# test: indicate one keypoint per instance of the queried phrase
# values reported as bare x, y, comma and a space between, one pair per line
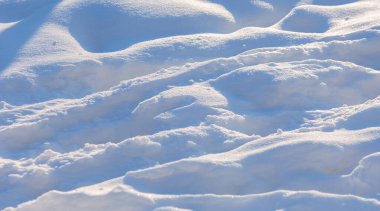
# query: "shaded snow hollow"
189, 105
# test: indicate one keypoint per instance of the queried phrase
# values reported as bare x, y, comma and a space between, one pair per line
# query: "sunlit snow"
189, 105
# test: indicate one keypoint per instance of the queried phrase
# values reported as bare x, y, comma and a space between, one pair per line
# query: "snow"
189, 105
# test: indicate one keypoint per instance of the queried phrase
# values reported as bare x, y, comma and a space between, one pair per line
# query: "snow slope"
189, 105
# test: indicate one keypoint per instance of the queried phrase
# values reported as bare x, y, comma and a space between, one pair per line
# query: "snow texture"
172, 105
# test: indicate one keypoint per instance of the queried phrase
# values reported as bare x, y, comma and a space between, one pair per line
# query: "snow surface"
189, 105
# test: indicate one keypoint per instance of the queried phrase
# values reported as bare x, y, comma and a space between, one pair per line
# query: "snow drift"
189, 105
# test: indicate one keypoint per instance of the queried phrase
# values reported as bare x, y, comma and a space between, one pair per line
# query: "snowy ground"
190, 105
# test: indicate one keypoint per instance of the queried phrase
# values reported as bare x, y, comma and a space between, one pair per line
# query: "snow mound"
327, 84
333, 19
364, 174
130, 22
304, 19
91, 162
306, 161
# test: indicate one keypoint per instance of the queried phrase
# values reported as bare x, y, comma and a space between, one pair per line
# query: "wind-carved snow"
189, 105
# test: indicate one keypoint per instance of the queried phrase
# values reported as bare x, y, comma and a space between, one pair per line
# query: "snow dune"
189, 105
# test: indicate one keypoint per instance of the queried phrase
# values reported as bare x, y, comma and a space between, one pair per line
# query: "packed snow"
172, 105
